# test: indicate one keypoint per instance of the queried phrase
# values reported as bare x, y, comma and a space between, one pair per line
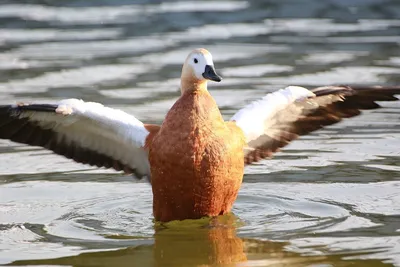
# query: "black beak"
210, 74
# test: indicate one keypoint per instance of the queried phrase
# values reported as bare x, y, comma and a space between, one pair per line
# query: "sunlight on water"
119, 14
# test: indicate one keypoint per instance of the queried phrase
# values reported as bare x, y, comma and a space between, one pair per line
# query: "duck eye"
195, 61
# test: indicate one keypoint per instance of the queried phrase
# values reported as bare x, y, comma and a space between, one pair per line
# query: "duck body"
196, 159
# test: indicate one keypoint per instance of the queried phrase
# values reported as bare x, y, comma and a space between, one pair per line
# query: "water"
329, 199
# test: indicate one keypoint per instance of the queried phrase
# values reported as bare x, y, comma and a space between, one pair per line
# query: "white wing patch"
93, 126
114, 119
255, 118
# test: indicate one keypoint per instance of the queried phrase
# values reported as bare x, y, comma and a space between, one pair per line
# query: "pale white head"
202, 64
198, 68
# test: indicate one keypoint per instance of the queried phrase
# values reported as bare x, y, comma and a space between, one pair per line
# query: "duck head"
197, 70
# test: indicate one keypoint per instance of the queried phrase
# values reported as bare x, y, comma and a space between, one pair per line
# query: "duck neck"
192, 85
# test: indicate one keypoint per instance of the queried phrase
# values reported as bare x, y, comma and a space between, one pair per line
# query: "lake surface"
329, 199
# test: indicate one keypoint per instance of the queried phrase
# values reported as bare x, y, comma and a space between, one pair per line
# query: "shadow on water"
206, 243
344, 172
70, 177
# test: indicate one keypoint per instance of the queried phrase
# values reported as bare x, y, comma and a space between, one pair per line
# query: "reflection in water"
206, 243
184, 245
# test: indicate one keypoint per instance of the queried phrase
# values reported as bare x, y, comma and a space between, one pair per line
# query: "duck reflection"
199, 242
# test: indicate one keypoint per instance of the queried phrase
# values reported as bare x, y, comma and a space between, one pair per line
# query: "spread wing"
86, 132
282, 116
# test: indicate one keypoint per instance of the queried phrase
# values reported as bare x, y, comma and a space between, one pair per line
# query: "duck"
195, 159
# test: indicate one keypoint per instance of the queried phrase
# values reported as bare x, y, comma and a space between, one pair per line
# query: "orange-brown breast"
196, 160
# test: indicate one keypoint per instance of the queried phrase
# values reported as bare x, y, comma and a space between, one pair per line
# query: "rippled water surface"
329, 199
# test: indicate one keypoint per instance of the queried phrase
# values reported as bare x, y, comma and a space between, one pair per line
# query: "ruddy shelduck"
195, 160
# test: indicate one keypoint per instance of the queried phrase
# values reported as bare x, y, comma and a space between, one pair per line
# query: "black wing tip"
351, 89
5, 108
37, 107
20, 107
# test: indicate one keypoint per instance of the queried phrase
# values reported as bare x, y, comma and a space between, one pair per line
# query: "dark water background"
329, 199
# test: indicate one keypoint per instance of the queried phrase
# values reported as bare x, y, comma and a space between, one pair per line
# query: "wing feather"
282, 116
86, 132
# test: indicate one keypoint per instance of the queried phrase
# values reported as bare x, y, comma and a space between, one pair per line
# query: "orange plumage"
196, 160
